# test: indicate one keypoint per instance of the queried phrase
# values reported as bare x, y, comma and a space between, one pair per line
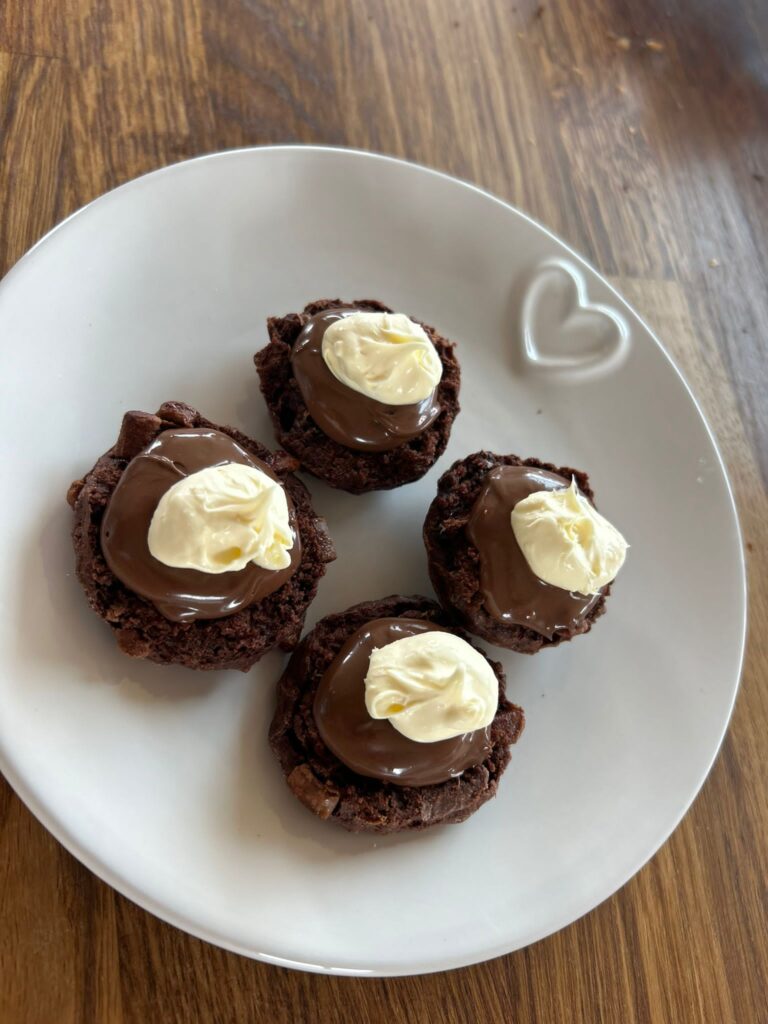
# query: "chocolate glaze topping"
512, 592
373, 747
181, 595
344, 414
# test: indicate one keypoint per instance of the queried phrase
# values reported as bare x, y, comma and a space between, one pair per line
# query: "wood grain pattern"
652, 160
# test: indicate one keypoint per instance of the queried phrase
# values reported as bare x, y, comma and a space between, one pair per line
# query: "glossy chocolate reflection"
372, 746
344, 414
181, 594
512, 592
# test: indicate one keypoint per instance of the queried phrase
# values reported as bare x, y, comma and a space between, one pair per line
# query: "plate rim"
51, 822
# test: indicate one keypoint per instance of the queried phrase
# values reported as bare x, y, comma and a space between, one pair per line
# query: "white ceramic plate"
160, 780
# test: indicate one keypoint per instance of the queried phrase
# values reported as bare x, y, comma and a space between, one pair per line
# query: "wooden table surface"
637, 132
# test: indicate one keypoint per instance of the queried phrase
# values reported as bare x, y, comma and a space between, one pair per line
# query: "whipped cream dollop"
385, 356
431, 686
566, 542
220, 519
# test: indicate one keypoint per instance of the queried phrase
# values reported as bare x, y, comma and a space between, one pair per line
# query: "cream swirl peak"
566, 542
431, 686
385, 356
221, 518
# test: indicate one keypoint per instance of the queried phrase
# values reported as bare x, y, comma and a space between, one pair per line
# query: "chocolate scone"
384, 445
371, 799
187, 617
477, 568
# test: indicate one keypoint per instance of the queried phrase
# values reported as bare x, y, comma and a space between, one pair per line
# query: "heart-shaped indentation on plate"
562, 331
